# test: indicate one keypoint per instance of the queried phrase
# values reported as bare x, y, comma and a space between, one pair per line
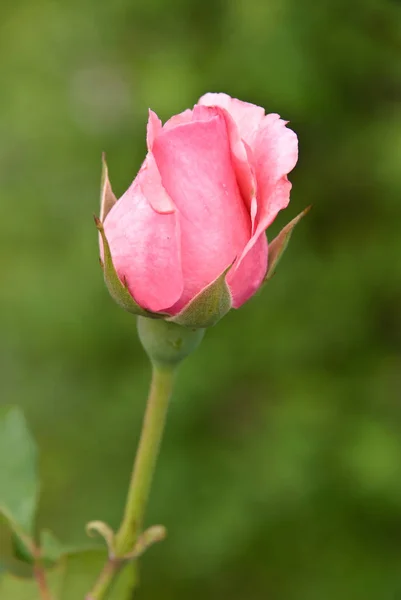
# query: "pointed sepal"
118, 291
107, 197
280, 243
207, 307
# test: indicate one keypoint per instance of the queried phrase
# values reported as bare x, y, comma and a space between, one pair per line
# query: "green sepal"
107, 197
207, 307
280, 243
118, 291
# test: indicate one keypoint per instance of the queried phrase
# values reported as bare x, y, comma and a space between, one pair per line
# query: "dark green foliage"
280, 474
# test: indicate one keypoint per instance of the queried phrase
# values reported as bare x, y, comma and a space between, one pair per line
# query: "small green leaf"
19, 486
117, 290
107, 197
208, 307
280, 243
52, 550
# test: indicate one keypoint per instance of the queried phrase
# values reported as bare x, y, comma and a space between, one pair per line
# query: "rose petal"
145, 247
184, 117
247, 116
242, 160
152, 187
194, 161
240, 151
154, 127
275, 154
246, 277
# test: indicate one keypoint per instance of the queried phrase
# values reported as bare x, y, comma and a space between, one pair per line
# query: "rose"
188, 236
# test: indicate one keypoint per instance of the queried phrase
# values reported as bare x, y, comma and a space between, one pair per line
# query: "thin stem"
40, 576
141, 478
105, 580
148, 450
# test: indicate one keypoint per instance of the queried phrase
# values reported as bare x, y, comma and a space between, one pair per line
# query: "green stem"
141, 478
148, 450
40, 576
105, 580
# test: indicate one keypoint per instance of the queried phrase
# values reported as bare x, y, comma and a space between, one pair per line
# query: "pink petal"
184, 117
242, 161
246, 277
152, 187
195, 164
205, 113
246, 178
153, 129
247, 116
145, 247
275, 154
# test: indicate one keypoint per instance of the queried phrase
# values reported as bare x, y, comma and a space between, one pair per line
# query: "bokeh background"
280, 475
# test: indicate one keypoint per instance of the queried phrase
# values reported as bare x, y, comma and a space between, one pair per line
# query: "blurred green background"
280, 475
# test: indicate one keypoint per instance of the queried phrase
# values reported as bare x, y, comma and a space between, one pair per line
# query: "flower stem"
148, 450
141, 478
40, 576
105, 580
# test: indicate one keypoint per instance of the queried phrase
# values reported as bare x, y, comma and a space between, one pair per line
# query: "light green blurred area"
280, 474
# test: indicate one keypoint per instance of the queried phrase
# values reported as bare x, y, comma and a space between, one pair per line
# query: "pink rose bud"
186, 242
